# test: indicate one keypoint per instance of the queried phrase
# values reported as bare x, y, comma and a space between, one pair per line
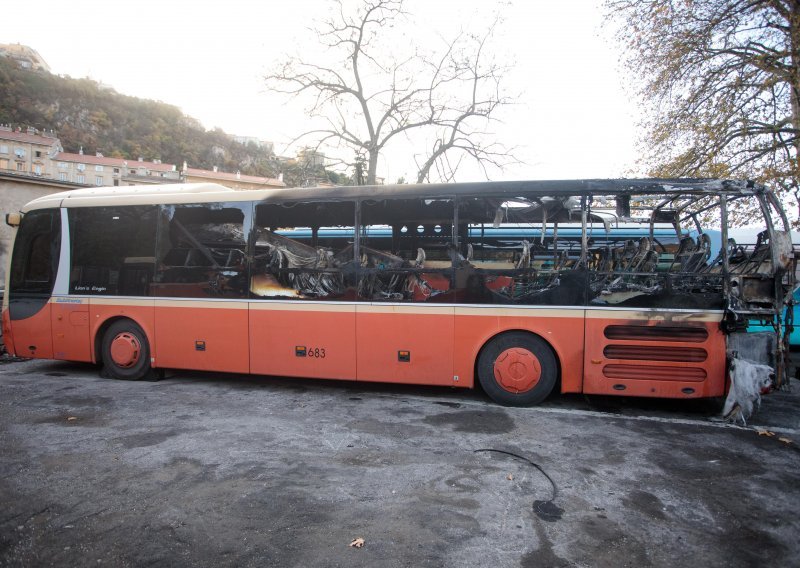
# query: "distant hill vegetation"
99, 119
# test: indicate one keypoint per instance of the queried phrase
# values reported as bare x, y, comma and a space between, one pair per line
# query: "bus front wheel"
517, 369
125, 351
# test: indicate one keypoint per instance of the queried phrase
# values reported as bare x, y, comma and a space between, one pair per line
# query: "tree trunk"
372, 167
794, 83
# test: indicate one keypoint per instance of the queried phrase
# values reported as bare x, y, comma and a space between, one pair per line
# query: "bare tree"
370, 94
721, 84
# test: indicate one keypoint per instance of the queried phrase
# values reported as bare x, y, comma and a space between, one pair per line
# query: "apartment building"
27, 152
99, 170
31, 153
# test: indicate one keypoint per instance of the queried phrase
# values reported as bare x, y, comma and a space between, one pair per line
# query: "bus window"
202, 251
113, 250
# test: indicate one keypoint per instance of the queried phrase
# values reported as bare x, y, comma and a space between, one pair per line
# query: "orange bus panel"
70, 320
299, 339
33, 336
655, 354
202, 335
405, 344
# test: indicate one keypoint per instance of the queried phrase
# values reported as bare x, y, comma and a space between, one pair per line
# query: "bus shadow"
695, 409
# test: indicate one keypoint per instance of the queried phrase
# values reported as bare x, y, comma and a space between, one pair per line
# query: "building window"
62, 165
3, 164
81, 167
98, 168
20, 167
62, 176
37, 169
38, 153
98, 180
116, 170
81, 178
3, 149
19, 152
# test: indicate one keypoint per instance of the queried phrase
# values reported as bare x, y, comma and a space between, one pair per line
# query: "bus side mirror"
13, 219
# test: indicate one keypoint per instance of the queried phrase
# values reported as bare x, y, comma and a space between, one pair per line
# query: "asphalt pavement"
204, 469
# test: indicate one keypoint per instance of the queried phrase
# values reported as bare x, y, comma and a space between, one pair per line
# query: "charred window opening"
622, 249
304, 251
408, 250
202, 251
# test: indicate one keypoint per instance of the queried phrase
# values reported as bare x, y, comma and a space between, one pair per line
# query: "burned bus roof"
529, 188
210, 192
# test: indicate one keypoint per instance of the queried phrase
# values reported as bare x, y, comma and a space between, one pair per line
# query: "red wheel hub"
125, 349
517, 370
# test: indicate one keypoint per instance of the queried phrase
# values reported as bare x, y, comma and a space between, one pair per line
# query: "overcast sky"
575, 118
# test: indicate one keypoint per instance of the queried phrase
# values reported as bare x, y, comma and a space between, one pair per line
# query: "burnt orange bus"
405, 284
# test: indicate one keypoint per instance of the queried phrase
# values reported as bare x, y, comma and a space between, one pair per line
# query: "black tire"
531, 354
126, 341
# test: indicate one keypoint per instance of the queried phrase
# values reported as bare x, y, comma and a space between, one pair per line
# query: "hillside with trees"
85, 114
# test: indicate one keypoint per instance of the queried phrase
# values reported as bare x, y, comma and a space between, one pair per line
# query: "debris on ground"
357, 542
748, 381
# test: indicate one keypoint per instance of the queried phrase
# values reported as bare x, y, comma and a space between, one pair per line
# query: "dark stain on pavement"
646, 503
146, 439
478, 421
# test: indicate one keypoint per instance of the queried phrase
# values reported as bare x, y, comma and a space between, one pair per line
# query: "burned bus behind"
594, 286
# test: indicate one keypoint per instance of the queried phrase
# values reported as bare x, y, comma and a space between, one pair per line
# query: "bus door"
654, 353
34, 265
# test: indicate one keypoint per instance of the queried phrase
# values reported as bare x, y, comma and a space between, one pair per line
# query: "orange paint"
408, 343
383, 331
33, 335
71, 340
694, 377
222, 332
278, 329
8, 337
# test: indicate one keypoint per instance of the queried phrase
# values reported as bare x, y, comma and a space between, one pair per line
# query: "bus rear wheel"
125, 351
517, 369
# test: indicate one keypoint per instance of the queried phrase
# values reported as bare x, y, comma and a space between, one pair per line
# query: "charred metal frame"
542, 268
